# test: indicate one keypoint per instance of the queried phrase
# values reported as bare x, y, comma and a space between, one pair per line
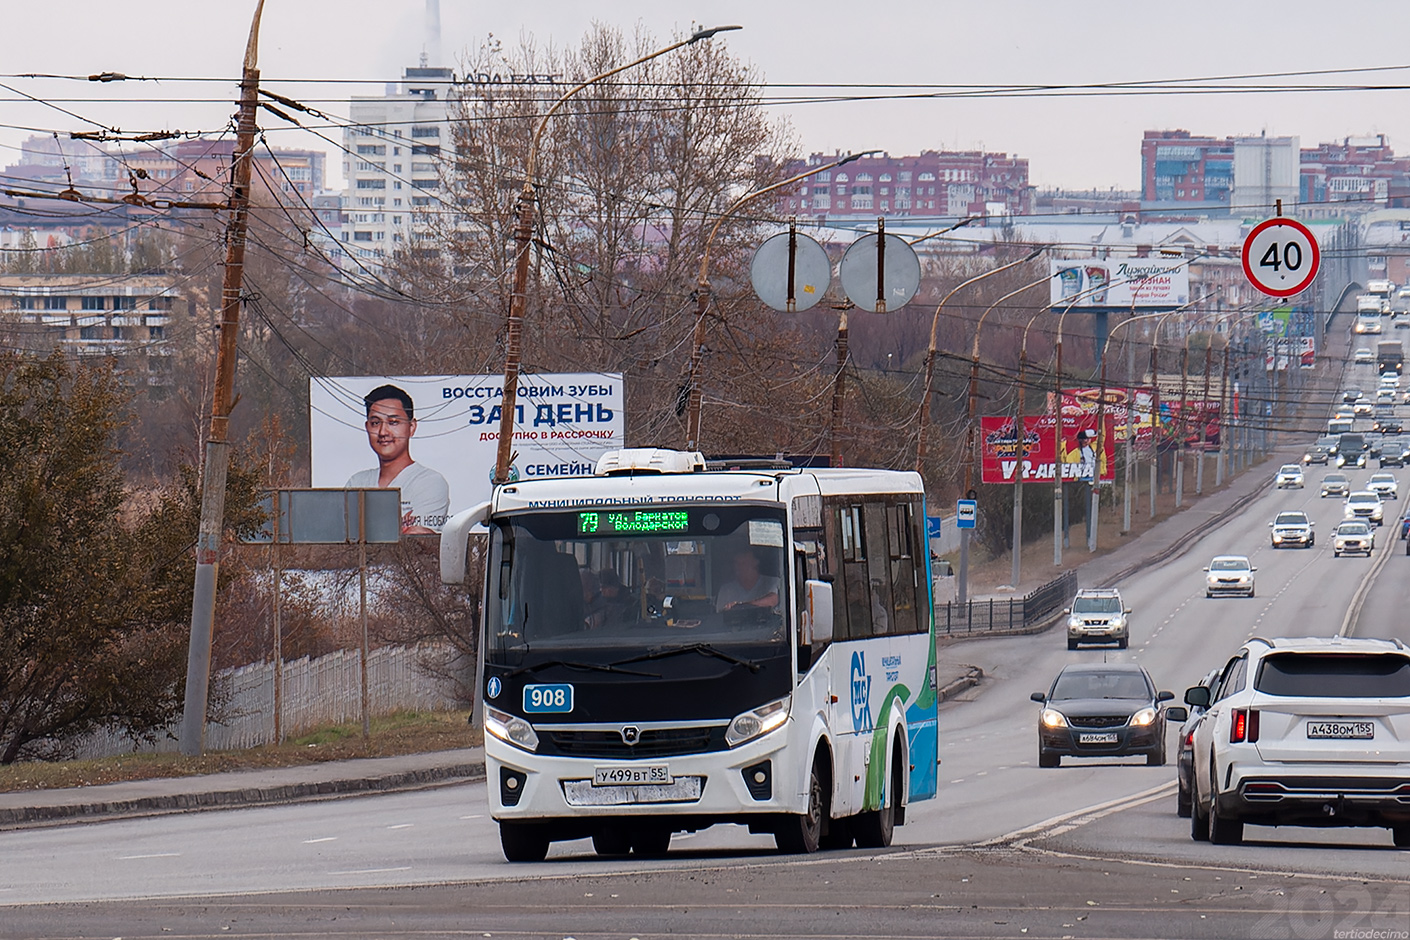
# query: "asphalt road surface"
1092, 848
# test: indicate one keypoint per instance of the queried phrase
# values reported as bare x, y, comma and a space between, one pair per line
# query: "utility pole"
217, 457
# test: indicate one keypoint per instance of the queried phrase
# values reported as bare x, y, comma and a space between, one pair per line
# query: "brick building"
935, 184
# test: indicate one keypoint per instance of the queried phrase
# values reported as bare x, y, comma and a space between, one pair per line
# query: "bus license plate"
1354, 730
631, 776
1107, 737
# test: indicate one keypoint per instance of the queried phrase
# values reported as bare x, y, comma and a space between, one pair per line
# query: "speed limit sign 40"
1281, 257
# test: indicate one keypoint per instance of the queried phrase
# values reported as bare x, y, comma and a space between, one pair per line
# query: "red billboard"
1198, 413
1002, 454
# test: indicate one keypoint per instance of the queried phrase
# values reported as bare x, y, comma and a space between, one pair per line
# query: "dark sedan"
1103, 710
1185, 750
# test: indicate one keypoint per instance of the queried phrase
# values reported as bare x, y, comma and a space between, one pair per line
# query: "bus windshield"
627, 578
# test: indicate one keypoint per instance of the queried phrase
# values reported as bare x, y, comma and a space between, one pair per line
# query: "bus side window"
900, 535
878, 571
854, 572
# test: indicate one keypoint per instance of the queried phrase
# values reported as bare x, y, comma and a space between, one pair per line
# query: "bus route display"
631, 522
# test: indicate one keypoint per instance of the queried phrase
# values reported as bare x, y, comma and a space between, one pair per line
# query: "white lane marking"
1094, 811
476, 816
370, 871
324, 839
125, 858
402, 826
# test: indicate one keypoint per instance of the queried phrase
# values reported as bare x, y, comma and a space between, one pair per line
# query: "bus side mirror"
455, 542
817, 624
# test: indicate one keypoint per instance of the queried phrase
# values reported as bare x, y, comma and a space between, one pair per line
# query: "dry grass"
392, 735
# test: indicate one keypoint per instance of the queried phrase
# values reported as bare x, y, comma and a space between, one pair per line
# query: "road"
1091, 848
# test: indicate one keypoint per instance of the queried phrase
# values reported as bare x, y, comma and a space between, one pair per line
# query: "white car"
1384, 485
1292, 528
1363, 409
1229, 574
1289, 476
1363, 356
1364, 505
1304, 732
1353, 537
1384, 396
1390, 380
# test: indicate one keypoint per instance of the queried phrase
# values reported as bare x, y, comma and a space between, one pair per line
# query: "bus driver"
749, 588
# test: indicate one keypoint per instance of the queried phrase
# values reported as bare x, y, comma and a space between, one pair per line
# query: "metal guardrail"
995, 615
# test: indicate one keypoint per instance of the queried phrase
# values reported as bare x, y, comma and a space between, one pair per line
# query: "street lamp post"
523, 235
933, 349
702, 291
963, 587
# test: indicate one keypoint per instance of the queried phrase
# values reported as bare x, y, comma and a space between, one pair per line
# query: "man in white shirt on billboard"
425, 495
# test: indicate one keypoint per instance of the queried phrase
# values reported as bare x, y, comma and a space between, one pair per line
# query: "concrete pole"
217, 457
1016, 565
1204, 418
1180, 440
1057, 454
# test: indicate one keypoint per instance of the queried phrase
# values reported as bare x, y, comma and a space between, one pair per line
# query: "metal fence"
1005, 615
322, 691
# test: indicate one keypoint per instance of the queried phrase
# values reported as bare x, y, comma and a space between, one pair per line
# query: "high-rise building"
1265, 173
392, 162
1180, 170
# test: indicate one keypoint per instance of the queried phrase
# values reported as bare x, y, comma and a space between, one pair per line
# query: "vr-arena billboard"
1003, 456
435, 437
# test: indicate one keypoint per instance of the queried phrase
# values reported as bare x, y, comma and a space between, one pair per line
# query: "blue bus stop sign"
966, 513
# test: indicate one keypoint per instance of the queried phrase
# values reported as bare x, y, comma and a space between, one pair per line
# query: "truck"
1381, 288
1390, 357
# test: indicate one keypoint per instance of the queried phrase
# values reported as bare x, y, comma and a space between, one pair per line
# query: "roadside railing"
1005, 615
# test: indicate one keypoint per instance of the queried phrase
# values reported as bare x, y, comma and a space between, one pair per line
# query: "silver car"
1229, 574
1336, 484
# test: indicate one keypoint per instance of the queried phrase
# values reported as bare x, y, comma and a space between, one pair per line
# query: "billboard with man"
434, 437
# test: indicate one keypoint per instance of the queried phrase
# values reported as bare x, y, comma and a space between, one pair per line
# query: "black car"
1388, 426
1103, 710
1317, 453
1185, 750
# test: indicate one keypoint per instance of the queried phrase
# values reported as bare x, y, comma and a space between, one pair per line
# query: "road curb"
22, 816
971, 678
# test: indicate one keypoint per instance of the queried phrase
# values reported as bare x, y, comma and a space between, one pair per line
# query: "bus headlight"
511, 728
760, 721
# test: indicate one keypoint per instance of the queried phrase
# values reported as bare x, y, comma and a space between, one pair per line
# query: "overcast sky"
1070, 142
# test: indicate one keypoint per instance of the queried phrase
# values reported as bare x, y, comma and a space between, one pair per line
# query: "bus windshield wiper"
567, 664
704, 649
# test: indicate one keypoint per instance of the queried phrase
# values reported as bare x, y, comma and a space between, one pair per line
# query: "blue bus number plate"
548, 698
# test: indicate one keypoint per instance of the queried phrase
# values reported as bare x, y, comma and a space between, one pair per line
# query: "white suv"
1364, 504
1384, 485
1289, 476
1304, 732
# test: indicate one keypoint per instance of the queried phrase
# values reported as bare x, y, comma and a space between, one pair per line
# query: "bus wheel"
874, 829
651, 841
523, 842
613, 840
800, 835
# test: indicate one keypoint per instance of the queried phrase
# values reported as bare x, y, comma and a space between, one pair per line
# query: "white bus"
667, 645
